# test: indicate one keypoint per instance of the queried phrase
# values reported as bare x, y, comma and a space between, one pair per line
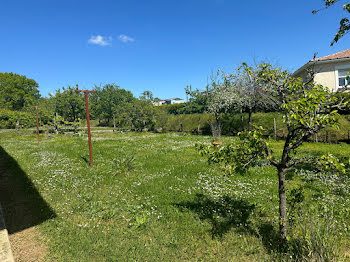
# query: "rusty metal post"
37, 123
88, 120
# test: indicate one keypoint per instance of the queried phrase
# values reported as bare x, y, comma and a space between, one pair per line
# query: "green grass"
151, 197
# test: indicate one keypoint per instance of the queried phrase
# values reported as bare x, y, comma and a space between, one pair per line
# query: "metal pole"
88, 120
88, 126
37, 123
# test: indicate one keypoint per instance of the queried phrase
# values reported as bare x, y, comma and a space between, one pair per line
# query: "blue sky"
157, 45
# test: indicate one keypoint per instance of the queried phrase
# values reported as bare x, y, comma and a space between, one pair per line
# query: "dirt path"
26, 246
23, 209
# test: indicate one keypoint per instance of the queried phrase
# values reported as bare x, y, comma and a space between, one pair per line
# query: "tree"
307, 108
240, 91
253, 94
147, 95
142, 115
46, 110
344, 24
197, 101
106, 100
69, 104
17, 91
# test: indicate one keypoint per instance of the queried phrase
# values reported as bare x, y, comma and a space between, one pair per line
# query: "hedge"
9, 118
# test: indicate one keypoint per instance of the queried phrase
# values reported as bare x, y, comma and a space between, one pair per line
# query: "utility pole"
87, 119
37, 123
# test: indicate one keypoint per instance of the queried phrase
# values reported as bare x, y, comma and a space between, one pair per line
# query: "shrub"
9, 118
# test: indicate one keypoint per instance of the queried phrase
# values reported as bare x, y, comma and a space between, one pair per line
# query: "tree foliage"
147, 96
69, 104
46, 110
10, 119
137, 115
108, 99
344, 24
241, 91
17, 91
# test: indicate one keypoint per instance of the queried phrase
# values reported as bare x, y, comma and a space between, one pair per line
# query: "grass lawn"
151, 197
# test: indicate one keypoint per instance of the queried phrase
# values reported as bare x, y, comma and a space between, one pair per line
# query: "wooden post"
274, 127
88, 120
37, 123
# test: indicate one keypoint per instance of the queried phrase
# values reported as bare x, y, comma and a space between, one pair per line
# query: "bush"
9, 118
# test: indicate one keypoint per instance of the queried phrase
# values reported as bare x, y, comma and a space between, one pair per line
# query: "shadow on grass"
22, 205
222, 214
226, 213
86, 160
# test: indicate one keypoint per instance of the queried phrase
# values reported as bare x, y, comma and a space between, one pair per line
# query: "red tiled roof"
339, 55
329, 58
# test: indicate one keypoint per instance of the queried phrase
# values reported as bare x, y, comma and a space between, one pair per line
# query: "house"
330, 71
170, 101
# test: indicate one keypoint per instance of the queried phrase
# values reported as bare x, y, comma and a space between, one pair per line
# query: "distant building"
170, 101
331, 71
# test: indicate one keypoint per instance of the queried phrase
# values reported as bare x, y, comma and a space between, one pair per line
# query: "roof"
172, 99
339, 55
342, 55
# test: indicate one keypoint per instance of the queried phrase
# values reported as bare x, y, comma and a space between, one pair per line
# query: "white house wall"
327, 74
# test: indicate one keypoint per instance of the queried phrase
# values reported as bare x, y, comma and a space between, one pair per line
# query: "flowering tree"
241, 91
306, 107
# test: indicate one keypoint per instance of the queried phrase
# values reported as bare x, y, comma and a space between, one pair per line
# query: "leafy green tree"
307, 108
197, 101
142, 115
17, 91
344, 26
137, 115
69, 104
107, 99
46, 110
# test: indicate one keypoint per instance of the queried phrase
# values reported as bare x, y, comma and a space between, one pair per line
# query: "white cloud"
100, 40
126, 39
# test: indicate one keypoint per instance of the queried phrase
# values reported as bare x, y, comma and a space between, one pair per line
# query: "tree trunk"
250, 121
113, 123
217, 127
282, 204
73, 110
199, 125
56, 123
17, 126
178, 119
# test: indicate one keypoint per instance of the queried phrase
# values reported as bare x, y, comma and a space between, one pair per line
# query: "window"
343, 77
